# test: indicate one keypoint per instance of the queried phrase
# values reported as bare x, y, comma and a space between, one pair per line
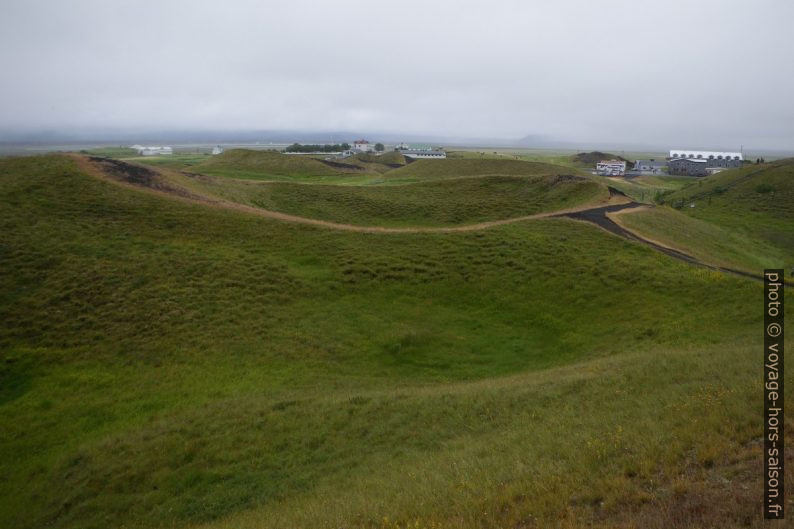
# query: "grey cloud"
707, 73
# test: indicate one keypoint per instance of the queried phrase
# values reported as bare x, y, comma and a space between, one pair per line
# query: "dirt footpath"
139, 176
142, 177
601, 217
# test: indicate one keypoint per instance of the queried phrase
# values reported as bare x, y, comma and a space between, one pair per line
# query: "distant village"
679, 162
345, 150
407, 150
338, 151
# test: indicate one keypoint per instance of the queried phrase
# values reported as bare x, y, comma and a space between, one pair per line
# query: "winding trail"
146, 179
600, 216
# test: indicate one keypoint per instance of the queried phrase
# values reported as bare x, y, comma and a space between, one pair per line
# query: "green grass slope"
753, 197
709, 242
271, 165
378, 163
178, 161
648, 189
433, 203
423, 170
742, 218
166, 364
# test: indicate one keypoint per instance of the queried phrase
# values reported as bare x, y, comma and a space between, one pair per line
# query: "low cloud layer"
707, 73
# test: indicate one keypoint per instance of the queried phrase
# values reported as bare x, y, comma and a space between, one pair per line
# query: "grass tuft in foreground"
167, 364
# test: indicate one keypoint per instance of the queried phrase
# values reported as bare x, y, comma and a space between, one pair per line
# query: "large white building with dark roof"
701, 163
706, 155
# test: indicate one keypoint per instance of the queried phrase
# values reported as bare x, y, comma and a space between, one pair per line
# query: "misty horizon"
185, 138
646, 74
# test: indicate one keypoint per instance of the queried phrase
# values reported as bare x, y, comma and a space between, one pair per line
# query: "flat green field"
169, 364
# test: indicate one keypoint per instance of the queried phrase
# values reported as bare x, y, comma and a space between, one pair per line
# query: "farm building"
430, 153
362, 146
154, 151
650, 166
611, 167
688, 166
217, 150
701, 163
714, 158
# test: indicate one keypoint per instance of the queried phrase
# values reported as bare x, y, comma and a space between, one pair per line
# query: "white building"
650, 166
705, 155
154, 150
362, 146
217, 150
611, 167
415, 154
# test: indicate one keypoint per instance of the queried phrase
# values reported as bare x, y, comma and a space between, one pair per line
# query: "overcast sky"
712, 74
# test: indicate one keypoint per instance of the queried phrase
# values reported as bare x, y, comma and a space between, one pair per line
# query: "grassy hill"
178, 161
388, 168
272, 165
390, 160
649, 189
433, 203
751, 196
592, 158
169, 364
423, 170
742, 217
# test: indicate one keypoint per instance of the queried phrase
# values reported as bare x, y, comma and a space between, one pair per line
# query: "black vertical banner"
774, 457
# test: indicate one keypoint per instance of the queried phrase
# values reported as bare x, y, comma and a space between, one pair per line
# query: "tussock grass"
649, 189
271, 165
167, 364
434, 203
708, 242
750, 198
741, 217
423, 170
179, 161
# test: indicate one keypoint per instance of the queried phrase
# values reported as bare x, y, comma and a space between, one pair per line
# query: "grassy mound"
423, 170
391, 158
271, 165
434, 203
738, 196
376, 164
708, 242
649, 189
167, 364
741, 217
592, 158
